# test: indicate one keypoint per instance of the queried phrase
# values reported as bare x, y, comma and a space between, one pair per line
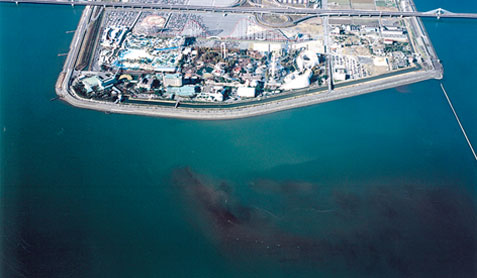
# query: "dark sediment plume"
238, 228
284, 187
291, 194
347, 202
408, 230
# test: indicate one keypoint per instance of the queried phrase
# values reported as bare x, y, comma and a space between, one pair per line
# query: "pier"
437, 13
458, 121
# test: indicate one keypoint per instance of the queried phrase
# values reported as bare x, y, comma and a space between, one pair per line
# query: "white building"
217, 96
380, 61
297, 81
293, 1
91, 82
307, 60
98, 81
340, 74
393, 34
246, 92
266, 47
172, 80
113, 36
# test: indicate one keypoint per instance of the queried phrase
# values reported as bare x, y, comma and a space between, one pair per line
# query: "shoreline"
243, 110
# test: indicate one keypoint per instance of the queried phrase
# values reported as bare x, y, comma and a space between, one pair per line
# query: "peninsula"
210, 64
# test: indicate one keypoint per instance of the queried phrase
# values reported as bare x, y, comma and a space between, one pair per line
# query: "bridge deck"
440, 13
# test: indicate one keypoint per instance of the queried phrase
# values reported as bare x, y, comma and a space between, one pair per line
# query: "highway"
438, 13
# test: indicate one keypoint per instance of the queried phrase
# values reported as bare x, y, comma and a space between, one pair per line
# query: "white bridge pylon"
438, 12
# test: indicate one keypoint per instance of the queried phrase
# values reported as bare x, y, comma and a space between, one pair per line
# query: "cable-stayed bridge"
437, 13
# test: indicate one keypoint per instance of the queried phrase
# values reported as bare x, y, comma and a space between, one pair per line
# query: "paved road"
246, 110
248, 10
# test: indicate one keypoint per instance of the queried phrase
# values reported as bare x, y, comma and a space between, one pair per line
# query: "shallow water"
380, 184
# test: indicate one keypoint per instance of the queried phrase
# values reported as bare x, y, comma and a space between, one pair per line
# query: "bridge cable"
458, 121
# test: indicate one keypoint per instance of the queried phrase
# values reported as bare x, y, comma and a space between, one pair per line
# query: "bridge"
437, 13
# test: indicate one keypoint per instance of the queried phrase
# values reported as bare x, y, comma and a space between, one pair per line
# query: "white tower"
223, 48
274, 63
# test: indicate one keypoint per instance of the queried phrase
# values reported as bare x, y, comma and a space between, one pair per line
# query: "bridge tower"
438, 13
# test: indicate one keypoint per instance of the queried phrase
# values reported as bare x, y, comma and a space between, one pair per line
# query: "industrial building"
172, 80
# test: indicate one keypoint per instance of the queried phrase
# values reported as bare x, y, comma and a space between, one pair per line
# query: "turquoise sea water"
376, 185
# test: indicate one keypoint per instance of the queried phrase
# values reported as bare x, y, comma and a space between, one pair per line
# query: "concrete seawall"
245, 111
240, 111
